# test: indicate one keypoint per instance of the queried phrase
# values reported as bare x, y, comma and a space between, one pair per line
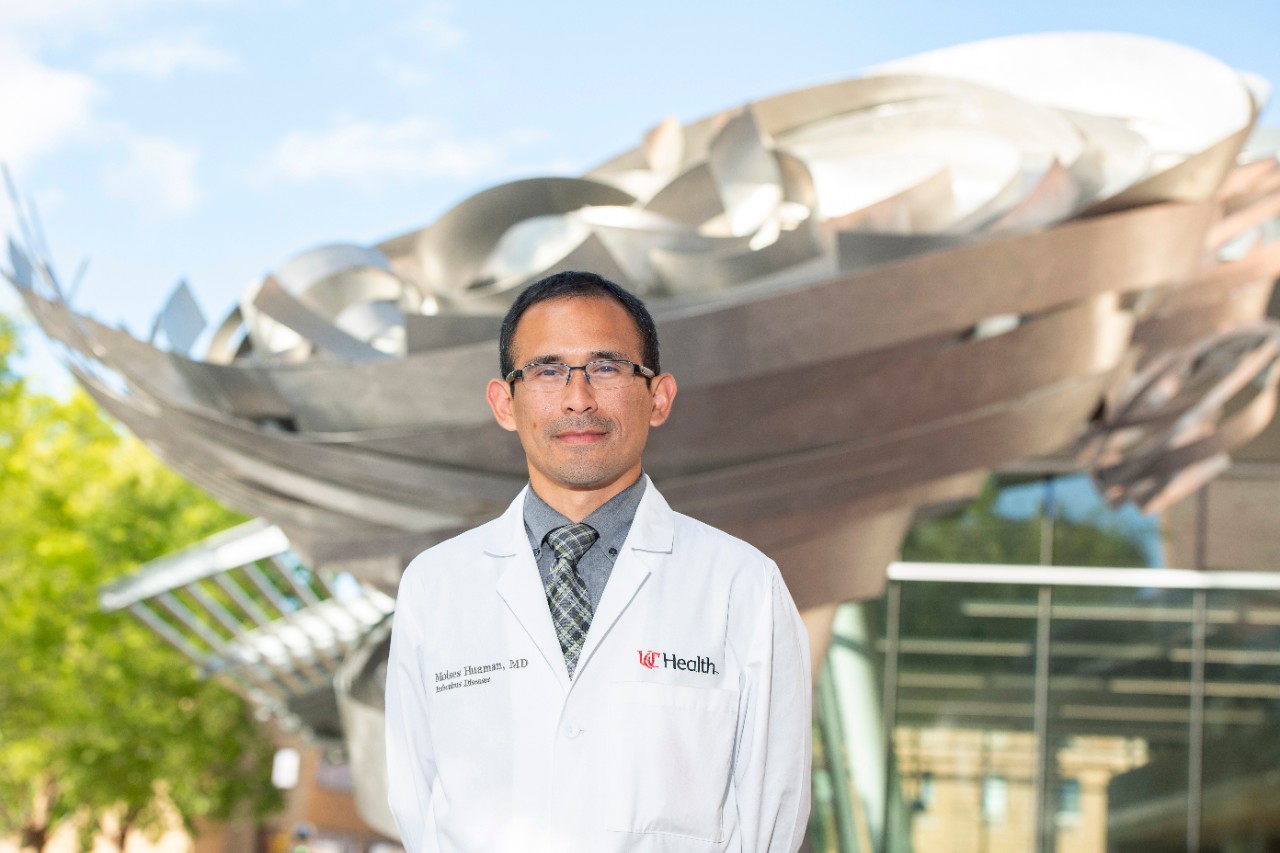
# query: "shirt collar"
611, 521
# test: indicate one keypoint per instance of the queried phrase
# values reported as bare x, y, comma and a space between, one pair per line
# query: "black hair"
577, 285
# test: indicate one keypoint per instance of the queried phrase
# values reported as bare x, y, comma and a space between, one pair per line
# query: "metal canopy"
242, 607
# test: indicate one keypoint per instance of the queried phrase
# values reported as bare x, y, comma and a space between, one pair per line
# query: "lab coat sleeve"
411, 767
772, 767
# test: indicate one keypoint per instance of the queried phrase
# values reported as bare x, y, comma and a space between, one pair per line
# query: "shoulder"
719, 550
472, 540
707, 536
689, 535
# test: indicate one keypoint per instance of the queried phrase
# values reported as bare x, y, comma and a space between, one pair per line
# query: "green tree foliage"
977, 534
97, 715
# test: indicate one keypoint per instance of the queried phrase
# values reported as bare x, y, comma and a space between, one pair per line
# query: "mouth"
579, 431
580, 436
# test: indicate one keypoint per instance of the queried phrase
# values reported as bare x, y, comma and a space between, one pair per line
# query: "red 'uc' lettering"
648, 660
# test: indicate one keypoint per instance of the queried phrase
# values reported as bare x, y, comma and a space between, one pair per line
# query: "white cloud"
62, 22
41, 107
371, 154
44, 108
156, 173
159, 57
59, 14
431, 24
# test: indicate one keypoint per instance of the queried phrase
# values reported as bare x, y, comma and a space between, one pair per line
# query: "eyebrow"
557, 358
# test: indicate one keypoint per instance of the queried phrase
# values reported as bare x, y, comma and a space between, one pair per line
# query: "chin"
582, 477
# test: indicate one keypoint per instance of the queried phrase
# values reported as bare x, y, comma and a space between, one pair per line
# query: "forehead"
577, 326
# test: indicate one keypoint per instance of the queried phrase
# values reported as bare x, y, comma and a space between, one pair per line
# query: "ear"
498, 393
663, 390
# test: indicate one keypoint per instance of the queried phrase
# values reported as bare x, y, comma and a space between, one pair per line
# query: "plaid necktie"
566, 593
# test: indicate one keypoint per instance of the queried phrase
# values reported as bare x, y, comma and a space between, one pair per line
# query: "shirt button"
570, 730
613, 552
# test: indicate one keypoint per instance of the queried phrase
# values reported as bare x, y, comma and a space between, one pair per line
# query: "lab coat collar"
521, 587
645, 550
652, 530
651, 537
506, 537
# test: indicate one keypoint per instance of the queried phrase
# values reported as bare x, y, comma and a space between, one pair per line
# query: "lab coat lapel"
520, 586
648, 544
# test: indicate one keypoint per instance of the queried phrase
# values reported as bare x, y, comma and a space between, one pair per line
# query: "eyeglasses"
603, 374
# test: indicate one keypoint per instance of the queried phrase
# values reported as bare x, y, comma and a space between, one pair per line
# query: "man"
592, 671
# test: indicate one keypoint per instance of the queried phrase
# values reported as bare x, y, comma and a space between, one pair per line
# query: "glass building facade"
1037, 708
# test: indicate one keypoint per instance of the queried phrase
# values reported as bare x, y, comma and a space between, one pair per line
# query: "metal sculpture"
874, 292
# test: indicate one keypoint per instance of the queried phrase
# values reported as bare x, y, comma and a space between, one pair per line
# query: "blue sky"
213, 139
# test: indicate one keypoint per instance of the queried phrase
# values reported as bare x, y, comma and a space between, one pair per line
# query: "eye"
543, 371
607, 368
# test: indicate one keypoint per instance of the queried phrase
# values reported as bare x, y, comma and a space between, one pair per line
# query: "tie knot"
572, 541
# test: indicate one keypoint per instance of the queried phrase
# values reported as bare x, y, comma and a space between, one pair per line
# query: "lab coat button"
570, 730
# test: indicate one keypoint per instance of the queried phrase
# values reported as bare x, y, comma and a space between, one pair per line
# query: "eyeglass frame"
636, 370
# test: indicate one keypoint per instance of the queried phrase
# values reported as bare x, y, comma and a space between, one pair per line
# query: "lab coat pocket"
669, 754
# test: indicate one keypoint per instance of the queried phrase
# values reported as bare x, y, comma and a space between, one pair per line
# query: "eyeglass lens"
605, 373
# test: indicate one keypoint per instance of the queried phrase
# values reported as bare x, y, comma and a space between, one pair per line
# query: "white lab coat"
685, 728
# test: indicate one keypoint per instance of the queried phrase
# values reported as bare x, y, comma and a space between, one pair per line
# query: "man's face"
578, 438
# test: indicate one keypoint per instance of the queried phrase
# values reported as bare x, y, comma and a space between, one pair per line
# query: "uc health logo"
650, 659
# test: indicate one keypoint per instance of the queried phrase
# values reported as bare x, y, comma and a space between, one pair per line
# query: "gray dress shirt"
612, 521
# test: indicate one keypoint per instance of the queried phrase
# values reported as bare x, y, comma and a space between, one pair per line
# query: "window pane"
1118, 720
964, 743
1068, 801
1241, 786
995, 799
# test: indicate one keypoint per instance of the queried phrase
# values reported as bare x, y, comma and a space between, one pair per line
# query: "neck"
577, 504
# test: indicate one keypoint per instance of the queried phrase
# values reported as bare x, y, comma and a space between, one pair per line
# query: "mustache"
580, 423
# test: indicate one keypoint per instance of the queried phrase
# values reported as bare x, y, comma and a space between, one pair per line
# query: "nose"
578, 395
